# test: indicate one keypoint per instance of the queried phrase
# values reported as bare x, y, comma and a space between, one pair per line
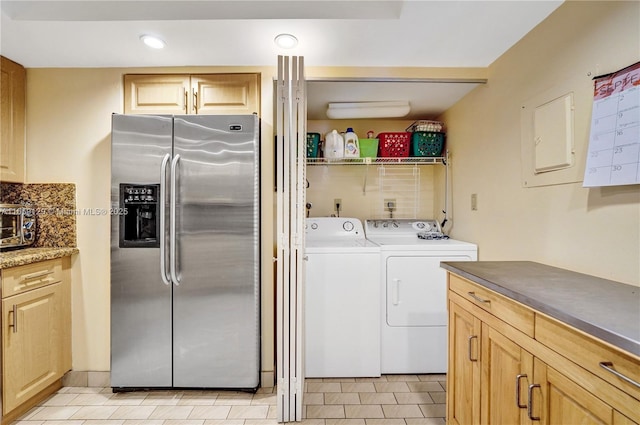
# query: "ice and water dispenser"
140, 222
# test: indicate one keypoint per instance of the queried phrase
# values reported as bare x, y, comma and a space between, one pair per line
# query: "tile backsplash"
55, 207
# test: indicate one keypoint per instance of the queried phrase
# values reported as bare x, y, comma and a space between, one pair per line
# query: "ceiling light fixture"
346, 110
286, 41
153, 41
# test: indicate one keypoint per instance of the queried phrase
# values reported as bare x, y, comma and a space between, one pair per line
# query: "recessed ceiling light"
152, 41
286, 41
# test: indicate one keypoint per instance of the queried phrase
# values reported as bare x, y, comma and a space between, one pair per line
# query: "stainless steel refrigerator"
185, 243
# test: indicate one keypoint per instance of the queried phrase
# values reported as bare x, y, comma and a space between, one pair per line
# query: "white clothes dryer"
414, 292
342, 300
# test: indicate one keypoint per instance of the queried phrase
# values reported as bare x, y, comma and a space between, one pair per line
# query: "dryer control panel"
401, 227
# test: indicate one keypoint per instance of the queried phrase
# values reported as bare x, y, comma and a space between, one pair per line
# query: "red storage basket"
394, 145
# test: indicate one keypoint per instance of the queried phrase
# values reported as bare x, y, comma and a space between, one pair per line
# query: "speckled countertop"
603, 308
20, 257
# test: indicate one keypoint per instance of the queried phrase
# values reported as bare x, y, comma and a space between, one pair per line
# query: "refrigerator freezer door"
216, 298
140, 301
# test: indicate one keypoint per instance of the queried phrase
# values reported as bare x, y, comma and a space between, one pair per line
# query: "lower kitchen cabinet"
500, 374
463, 378
556, 399
36, 332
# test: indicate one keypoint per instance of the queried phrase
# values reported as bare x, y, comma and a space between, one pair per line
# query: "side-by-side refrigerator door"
141, 353
216, 298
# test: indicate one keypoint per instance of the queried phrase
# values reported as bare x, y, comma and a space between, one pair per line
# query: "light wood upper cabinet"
156, 94
12, 121
36, 332
211, 94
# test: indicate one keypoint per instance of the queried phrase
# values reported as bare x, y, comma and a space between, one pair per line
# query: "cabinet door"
558, 400
156, 94
506, 371
463, 376
31, 342
225, 94
12, 121
620, 419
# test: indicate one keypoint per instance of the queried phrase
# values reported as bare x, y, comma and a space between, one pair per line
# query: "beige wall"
68, 140
593, 231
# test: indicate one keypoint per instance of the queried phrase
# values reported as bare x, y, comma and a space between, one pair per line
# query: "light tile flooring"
388, 400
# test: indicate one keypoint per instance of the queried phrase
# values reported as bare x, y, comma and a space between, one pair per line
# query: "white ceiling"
407, 33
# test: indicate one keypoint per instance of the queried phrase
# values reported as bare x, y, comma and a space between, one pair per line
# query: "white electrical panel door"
553, 134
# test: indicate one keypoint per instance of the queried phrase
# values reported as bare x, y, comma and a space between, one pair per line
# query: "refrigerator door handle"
172, 222
163, 214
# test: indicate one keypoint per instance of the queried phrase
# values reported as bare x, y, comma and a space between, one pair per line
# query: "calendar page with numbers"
613, 157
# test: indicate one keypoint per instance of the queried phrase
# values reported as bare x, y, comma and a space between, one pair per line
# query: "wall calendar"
613, 157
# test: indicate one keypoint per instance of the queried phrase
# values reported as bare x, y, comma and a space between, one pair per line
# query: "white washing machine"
342, 300
414, 292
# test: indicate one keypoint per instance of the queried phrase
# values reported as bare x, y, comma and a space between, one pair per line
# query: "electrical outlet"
337, 204
474, 202
390, 204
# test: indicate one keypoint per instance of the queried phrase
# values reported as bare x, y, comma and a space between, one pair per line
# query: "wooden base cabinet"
506, 368
463, 378
36, 331
500, 374
555, 399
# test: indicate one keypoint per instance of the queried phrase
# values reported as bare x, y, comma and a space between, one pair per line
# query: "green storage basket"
427, 143
368, 148
313, 140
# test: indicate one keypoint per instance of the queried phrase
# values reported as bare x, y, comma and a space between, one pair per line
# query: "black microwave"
18, 226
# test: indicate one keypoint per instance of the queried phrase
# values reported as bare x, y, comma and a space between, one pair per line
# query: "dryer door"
416, 290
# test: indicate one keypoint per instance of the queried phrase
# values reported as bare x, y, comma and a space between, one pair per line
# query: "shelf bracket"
367, 162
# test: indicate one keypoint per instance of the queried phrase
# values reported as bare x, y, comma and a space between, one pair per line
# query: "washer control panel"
333, 227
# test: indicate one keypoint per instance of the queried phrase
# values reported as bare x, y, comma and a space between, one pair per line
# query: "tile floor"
388, 400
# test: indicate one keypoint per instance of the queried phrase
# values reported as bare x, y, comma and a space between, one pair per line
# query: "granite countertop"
603, 308
24, 256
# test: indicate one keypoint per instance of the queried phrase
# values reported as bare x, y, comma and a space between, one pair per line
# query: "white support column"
290, 180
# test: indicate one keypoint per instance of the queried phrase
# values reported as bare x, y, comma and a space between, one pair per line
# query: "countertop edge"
33, 255
603, 334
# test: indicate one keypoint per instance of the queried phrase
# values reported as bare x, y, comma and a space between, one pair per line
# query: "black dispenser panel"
140, 225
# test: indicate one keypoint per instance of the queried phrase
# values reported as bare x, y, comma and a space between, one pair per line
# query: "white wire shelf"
366, 161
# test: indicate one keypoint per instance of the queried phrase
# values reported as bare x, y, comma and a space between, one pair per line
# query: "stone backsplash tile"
55, 207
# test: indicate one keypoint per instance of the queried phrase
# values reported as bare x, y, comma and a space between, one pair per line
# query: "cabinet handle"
15, 318
608, 366
518, 377
186, 101
472, 337
36, 274
477, 298
195, 101
530, 402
